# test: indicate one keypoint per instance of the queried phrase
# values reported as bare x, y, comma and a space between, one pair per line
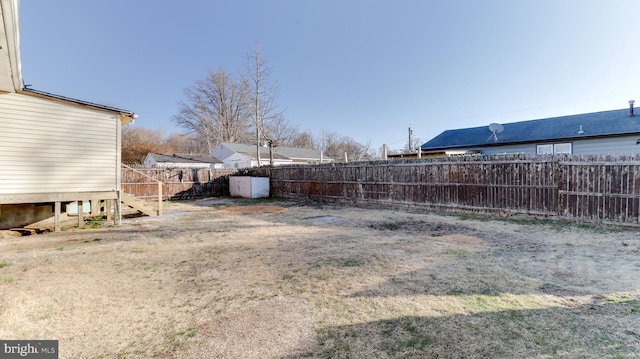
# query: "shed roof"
597, 124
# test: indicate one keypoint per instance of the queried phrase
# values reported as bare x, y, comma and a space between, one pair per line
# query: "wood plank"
80, 215
57, 209
55, 197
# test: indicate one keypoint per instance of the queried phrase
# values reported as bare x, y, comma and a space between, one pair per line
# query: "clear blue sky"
365, 69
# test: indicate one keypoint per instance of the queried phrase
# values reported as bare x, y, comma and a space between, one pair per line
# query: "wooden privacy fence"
177, 183
602, 189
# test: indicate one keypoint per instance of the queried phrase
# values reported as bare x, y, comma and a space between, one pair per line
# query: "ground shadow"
577, 332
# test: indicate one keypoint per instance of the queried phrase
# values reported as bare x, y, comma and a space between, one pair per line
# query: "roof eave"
10, 49
126, 116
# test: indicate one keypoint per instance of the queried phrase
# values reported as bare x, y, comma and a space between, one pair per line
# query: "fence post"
557, 178
159, 198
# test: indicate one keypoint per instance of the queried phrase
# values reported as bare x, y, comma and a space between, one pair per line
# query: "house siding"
609, 145
605, 145
238, 160
529, 149
52, 147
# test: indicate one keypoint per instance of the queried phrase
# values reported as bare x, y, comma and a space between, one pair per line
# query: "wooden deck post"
56, 217
80, 215
118, 210
108, 208
95, 207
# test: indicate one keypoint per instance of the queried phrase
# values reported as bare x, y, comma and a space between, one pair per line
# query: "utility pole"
410, 147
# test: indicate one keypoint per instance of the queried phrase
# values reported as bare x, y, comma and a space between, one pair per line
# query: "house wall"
149, 161
305, 161
278, 162
53, 147
608, 145
182, 165
529, 149
237, 160
605, 145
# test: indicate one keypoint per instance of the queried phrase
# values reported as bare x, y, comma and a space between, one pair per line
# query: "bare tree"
280, 130
186, 144
343, 148
216, 109
302, 140
327, 143
263, 91
137, 142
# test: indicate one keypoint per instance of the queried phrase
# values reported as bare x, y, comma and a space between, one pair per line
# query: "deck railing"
159, 183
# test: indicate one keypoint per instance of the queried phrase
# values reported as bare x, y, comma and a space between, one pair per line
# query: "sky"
367, 69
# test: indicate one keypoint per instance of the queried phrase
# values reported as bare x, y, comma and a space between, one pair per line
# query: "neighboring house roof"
589, 125
182, 158
299, 153
279, 152
10, 65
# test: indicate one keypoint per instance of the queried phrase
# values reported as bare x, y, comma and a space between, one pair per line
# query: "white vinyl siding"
238, 160
48, 146
619, 145
608, 145
528, 149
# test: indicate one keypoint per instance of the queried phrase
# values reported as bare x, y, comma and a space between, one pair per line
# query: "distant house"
607, 132
237, 155
182, 161
55, 150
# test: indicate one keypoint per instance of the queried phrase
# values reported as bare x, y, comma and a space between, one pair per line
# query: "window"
562, 148
545, 149
558, 149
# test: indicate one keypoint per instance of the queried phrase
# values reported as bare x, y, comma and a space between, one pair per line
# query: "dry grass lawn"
279, 279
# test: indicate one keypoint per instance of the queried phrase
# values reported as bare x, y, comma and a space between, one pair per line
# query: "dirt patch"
10, 234
252, 209
264, 329
295, 280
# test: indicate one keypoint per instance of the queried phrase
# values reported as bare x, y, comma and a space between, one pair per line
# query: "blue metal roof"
597, 124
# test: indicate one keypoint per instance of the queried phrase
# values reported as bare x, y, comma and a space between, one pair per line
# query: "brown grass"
287, 280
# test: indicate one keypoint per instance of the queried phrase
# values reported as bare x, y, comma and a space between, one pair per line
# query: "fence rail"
601, 189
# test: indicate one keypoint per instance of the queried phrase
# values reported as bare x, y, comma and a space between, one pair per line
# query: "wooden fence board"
586, 188
177, 183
